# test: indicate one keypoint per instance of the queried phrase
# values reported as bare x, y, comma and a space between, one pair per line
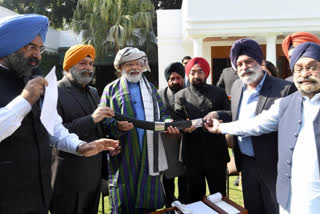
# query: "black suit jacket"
76, 173
265, 146
202, 148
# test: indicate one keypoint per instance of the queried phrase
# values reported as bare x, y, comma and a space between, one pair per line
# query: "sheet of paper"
227, 207
200, 207
49, 105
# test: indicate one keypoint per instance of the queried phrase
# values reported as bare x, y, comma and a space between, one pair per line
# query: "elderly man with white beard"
134, 178
256, 157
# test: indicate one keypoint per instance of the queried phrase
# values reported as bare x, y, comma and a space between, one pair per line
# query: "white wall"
170, 41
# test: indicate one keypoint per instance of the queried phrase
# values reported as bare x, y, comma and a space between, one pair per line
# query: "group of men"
142, 163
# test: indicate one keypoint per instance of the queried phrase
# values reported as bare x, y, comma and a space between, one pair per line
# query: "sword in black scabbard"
157, 125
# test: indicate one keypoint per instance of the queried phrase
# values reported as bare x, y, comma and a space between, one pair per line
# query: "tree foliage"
109, 25
59, 12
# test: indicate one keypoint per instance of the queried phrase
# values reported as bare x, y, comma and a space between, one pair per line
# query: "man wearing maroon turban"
205, 155
255, 157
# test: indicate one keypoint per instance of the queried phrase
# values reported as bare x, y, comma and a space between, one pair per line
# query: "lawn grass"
235, 194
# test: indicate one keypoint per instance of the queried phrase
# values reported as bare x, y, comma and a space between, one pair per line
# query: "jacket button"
289, 162
288, 176
296, 134
299, 121
291, 148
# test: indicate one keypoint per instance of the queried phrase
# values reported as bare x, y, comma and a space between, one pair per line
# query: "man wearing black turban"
297, 120
174, 74
255, 157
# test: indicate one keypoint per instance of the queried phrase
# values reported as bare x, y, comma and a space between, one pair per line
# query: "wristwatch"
77, 149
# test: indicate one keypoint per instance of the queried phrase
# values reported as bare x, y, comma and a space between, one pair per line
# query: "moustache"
309, 78
33, 60
134, 71
247, 71
86, 71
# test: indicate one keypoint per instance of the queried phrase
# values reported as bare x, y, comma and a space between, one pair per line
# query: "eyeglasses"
34, 47
314, 68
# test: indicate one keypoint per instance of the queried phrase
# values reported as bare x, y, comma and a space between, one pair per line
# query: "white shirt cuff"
20, 106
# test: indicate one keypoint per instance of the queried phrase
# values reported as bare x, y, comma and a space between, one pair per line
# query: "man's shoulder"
162, 91
113, 85
93, 90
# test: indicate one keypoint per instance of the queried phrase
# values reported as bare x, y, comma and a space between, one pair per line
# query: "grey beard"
77, 76
18, 63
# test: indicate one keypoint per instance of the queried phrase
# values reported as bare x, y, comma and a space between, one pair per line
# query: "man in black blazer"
205, 155
254, 92
77, 184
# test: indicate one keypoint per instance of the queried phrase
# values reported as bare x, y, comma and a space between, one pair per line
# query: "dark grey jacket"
265, 146
171, 142
289, 127
227, 78
76, 173
201, 148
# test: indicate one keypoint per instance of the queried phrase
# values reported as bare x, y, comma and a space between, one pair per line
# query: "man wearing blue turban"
255, 157
25, 151
297, 120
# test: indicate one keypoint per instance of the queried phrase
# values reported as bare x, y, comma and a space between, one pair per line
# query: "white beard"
132, 78
255, 74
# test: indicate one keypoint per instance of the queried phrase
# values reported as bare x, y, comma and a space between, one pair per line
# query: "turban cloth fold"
18, 31
174, 67
129, 54
247, 47
306, 49
295, 39
201, 62
76, 53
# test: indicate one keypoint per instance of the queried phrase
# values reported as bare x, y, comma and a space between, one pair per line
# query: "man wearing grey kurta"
174, 74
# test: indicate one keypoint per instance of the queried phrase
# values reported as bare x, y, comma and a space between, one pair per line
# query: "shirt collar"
315, 99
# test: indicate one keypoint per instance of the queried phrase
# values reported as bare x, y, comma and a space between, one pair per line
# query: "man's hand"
97, 146
190, 129
34, 89
116, 151
125, 126
215, 126
102, 112
172, 130
209, 117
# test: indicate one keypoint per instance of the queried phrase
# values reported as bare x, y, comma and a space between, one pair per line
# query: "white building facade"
208, 28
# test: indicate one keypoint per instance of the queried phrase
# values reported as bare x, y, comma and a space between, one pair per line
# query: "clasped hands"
212, 123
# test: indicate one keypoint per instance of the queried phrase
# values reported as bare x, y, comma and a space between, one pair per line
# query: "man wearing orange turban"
205, 155
78, 178
294, 39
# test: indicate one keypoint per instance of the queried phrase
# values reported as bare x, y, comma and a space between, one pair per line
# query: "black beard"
198, 85
175, 87
20, 64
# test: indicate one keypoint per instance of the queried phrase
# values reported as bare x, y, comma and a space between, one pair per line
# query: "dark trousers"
169, 190
76, 202
258, 196
196, 181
